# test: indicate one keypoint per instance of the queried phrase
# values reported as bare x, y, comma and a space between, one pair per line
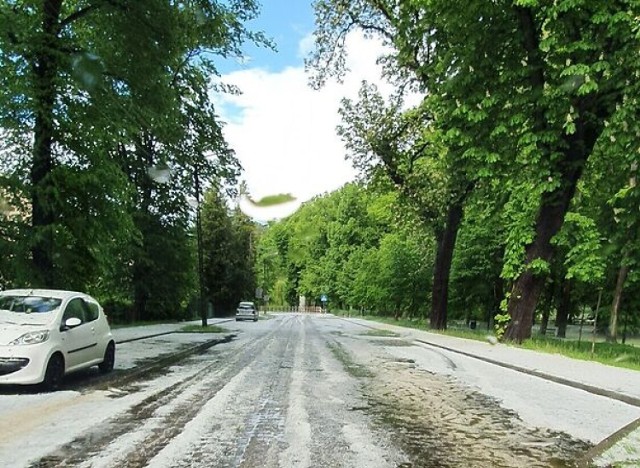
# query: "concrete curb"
604, 445
630, 400
129, 340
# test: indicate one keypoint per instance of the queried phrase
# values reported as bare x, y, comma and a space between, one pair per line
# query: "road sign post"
324, 299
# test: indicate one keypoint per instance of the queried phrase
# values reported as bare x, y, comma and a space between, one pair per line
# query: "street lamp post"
161, 174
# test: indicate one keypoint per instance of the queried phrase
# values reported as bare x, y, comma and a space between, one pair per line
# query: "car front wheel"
109, 359
54, 374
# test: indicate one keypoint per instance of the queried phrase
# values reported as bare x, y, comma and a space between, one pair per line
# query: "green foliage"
164, 269
201, 329
584, 259
525, 118
475, 284
350, 245
228, 254
501, 324
92, 99
519, 216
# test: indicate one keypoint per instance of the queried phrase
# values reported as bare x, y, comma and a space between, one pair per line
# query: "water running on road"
312, 391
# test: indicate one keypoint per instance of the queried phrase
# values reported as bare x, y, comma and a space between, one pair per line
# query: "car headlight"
31, 338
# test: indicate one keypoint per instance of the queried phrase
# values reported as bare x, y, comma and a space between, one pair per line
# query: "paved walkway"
122, 335
615, 382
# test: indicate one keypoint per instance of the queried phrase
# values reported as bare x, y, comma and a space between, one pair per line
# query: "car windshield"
29, 304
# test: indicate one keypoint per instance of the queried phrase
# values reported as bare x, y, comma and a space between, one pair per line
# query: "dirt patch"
396, 342
356, 370
440, 423
380, 332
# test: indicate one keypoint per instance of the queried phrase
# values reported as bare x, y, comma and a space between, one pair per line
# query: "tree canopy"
525, 95
98, 98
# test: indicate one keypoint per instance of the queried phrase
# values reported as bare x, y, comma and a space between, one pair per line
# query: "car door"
98, 329
79, 343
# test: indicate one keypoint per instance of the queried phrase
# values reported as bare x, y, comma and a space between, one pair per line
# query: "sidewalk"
125, 334
620, 449
149, 343
613, 382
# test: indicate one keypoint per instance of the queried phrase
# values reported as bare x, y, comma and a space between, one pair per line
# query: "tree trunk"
202, 306
576, 148
498, 295
612, 335
45, 70
527, 287
544, 322
564, 308
446, 243
554, 205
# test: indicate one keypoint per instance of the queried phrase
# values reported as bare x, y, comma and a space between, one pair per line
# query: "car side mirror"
71, 322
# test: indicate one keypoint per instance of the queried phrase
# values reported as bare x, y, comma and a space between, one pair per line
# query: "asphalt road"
306, 391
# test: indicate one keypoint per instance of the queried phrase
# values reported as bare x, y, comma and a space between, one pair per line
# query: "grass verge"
117, 325
201, 329
611, 354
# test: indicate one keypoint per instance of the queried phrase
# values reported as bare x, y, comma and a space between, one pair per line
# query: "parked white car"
45, 334
246, 311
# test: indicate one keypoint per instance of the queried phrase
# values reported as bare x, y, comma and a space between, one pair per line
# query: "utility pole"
202, 308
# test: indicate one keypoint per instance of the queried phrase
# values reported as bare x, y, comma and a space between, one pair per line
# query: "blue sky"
286, 22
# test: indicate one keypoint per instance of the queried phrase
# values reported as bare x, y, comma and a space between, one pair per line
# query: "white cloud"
284, 132
306, 45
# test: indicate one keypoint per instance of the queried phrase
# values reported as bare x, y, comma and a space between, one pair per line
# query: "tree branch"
531, 46
76, 15
80, 13
192, 53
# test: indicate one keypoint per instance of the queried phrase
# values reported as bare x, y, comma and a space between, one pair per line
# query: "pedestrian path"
615, 382
125, 334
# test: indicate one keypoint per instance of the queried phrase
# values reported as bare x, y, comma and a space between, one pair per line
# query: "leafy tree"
477, 288
216, 242
95, 95
532, 110
228, 254
407, 148
403, 274
243, 279
352, 246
